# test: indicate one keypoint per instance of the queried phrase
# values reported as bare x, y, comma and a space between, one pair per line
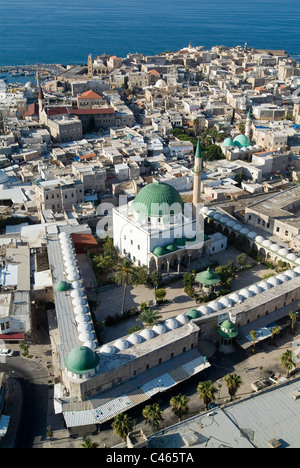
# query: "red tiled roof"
87, 156
12, 337
87, 239
33, 109
154, 72
89, 95
57, 110
101, 110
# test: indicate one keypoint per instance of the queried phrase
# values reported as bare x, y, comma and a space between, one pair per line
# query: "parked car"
277, 378
6, 352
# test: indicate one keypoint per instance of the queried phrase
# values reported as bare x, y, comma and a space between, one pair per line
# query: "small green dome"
171, 248
180, 241
242, 140
62, 286
208, 277
193, 314
159, 251
227, 143
156, 200
227, 330
81, 360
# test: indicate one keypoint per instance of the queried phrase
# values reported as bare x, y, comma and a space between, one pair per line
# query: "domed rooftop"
122, 344
156, 199
207, 277
160, 84
193, 314
242, 141
183, 319
159, 329
159, 251
227, 143
134, 339
81, 360
180, 241
227, 330
108, 350
171, 323
204, 310
62, 286
147, 334
171, 248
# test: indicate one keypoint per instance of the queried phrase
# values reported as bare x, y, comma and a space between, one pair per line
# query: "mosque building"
158, 229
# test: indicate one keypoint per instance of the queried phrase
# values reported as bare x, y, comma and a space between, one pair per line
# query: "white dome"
107, 350
90, 344
205, 310
77, 285
255, 289
236, 150
147, 334
80, 309
134, 339
230, 223
245, 231
82, 318
267, 243
297, 269
73, 276
264, 285
236, 298
218, 216
283, 252
246, 293
183, 319
159, 329
275, 247
273, 281
291, 273
225, 301
283, 278
84, 327
259, 239
237, 227
77, 293
160, 84
292, 257
171, 323
224, 220
121, 344
78, 301
86, 336
215, 306
252, 235
204, 209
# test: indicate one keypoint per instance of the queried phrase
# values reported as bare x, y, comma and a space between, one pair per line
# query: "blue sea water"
66, 31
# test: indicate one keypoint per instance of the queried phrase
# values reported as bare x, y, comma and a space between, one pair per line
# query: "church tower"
90, 66
197, 178
248, 124
41, 97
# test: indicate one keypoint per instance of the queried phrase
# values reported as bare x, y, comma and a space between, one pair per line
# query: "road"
32, 389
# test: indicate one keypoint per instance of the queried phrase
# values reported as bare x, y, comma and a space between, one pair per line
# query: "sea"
67, 31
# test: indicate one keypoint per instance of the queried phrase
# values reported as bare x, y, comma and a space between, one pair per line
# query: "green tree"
253, 336
179, 405
161, 295
125, 274
287, 362
242, 259
153, 416
88, 443
207, 392
142, 274
275, 331
133, 329
227, 272
233, 383
293, 317
24, 348
156, 281
149, 317
122, 425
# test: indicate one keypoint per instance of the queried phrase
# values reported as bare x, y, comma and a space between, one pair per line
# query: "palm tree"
275, 331
287, 361
156, 280
87, 443
122, 425
293, 317
153, 416
253, 336
125, 274
207, 392
150, 317
179, 405
233, 383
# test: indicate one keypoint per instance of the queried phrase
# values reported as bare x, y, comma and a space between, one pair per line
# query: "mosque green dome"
156, 199
159, 251
81, 360
193, 314
208, 277
62, 286
180, 241
227, 330
171, 248
228, 142
241, 140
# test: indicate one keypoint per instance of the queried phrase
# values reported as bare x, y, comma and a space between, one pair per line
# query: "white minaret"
248, 124
197, 178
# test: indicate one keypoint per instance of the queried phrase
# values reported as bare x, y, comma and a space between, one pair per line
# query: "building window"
184, 349
172, 355
159, 361
147, 366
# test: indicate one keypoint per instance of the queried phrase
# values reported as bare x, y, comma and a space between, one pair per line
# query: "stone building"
59, 194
